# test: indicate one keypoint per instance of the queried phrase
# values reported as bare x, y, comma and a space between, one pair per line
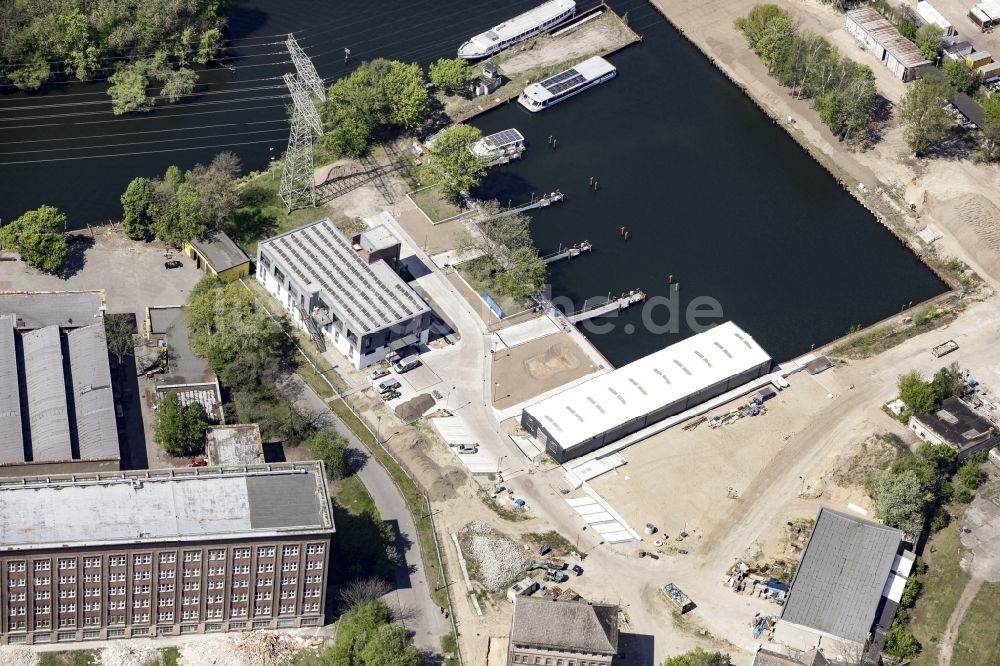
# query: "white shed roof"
652, 382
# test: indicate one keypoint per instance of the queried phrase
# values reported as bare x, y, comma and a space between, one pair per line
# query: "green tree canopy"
928, 40
366, 637
918, 394
185, 206
526, 273
901, 500
119, 331
991, 128
451, 163
947, 383
331, 447
923, 113
38, 236
180, 430
961, 77
137, 202
755, 23
699, 657
450, 75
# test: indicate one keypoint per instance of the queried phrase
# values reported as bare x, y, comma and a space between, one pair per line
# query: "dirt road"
947, 643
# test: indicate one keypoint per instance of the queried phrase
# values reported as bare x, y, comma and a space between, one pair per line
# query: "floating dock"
568, 253
543, 202
610, 305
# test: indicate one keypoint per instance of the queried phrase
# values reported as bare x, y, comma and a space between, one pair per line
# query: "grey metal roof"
94, 404
370, 297
234, 445
53, 308
838, 585
185, 504
565, 625
48, 415
11, 437
220, 251
886, 35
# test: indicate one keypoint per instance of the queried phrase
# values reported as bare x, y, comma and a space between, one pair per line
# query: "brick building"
562, 633
163, 552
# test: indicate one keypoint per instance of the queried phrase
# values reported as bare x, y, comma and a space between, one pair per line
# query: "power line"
106, 102
141, 152
159, 131
139, 143
200, 83
126, 120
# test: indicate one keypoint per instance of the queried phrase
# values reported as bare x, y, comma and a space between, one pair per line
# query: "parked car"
467, 448
173, 263
577, 569
403, 364
387, 385
377, 374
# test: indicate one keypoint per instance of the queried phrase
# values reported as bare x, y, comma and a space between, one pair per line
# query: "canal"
709, 189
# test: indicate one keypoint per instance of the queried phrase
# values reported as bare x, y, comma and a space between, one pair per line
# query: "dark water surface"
710, 190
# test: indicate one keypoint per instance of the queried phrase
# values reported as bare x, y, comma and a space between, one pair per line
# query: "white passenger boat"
563, 85
499, 148
517, 29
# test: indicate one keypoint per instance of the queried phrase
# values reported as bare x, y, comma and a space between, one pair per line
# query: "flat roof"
94, 403
183, 504
957, 423
522, 23
662, 378
48, 414
577, 626
371, 297
234, 445
37, 309
588, 70
163, 318
883, 32
11, 437
220, 251
377, 238
838, 585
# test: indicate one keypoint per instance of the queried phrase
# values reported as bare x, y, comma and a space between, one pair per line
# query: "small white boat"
499, 148
517, 29
565, 84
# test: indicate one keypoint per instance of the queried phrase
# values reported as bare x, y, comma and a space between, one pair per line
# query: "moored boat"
565, 84
517, 29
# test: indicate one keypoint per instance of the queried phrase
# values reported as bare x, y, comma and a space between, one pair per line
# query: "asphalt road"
411, 593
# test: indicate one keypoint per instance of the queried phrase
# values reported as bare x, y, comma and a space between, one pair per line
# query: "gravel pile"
266, 649
498, 558
18, 655
128, 653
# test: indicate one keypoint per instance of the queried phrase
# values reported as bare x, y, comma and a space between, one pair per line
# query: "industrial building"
163, 552
608, 407
882, 40
57, 404
956, 425
357, 303
846, 589
927, 14
573, 633
218, 255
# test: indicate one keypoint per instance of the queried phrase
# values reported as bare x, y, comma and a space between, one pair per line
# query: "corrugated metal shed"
94, 404
838, 586
54, 308
11, 442
887, 36
47, 411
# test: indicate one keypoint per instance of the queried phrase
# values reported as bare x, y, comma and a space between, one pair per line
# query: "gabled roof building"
573, 633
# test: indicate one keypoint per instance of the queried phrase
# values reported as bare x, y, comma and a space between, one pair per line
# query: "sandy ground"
535, 367
601, 34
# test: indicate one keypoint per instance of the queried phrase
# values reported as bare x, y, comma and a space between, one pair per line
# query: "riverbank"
884, 178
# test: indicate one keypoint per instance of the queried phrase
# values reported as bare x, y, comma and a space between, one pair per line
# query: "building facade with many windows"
163, 552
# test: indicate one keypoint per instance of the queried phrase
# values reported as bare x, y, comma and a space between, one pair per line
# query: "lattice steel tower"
298, 187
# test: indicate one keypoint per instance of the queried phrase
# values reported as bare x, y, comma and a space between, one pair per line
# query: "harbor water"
709, 189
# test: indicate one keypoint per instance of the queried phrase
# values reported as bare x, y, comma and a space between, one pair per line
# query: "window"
261, 568
188, 573
67, 622
116, 591
265, 551
42, 565
279, 276
142, 559
168, 558
91, 591
142, 575
290, 566
15, 566
92, 578
265, 596
42, 610
262, 582
166, 573
16, 582
288, 594
236, 612
217, 555
67, 594
191, 601
42, 594
290, 551
67, 563
116, 560
67, 608
67, 580
239, 597
314, 565
238, 569
43, 581
193, 585
166, 587
216, 571
19, 596
262, 610
314, 548
289, 581
192, 556
241, 553
140, 617
287, 608
96, 606
164, 602
190, 614
141, 589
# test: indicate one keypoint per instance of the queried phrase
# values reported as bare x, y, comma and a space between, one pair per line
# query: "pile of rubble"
499, 558
269, 649
129, 653
18, 655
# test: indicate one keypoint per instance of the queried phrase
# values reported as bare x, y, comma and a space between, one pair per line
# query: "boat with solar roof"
564, 85
499, 148
517, 29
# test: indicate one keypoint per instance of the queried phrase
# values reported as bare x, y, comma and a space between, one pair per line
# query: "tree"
961, 77
178, 83
38, 236
526, 274
180, 429
947, 383
928, 41
348, 133
970, 474
405, 94
128, 88
699, 657
918, 395
363, 591
923, 113
901, 643
900, 500
331, 447
496, 236
119, 332
908, 29
81, 55
450, 75
137, 209
991, 128
775, 43
754, 24
366, 637
208, 46
451, 163
389, 646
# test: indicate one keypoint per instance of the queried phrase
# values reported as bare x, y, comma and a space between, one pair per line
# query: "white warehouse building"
608, 407
341, 293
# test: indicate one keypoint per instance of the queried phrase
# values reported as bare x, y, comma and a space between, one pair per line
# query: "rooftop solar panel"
565, 84
505, 138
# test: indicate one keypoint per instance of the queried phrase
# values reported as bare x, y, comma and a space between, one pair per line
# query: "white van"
387, 385
405, 363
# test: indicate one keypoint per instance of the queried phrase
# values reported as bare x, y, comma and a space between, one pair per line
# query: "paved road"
412, 592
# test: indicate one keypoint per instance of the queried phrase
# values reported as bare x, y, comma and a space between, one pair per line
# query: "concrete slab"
526, 332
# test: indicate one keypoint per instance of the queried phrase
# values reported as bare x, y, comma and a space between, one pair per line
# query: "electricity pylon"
298, 187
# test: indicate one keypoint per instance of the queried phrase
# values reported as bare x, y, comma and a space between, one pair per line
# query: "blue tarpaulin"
493, 305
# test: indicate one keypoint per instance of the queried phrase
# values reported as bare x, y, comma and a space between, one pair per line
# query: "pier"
616, 304
543, 202
568, 253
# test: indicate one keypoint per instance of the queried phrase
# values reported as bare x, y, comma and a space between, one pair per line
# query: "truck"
944, 348
677, 598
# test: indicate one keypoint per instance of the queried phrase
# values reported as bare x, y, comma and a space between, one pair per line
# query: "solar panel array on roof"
93, 402
563, 81
371, 297
11, 442
47, 412
505, 137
